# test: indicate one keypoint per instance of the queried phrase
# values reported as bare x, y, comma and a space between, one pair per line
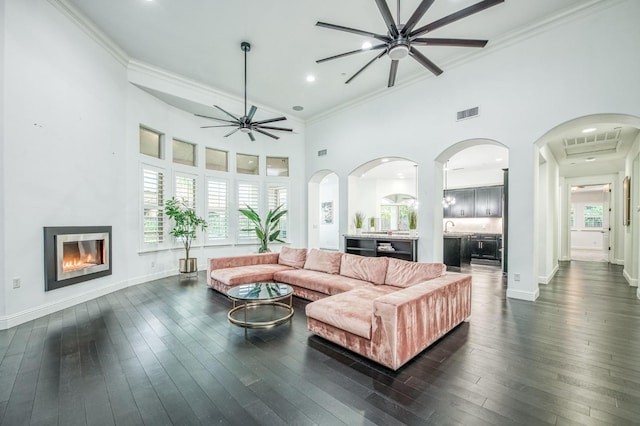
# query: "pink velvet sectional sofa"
385, 309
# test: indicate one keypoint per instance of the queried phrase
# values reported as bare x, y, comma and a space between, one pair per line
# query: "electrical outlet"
16, 282
516, 277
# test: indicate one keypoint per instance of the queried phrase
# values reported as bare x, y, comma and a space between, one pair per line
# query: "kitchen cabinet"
488, 201
486, 246
464, 205
457, 250
374, 246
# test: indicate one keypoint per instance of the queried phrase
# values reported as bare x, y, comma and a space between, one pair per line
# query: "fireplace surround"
73, 254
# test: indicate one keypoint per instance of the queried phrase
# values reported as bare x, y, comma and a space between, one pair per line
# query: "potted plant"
185, 228
413, 222
267, 231
372, 224
358, 221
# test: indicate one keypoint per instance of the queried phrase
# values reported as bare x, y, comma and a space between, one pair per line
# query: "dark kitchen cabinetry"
457, 250
464, 205
400, 248
474, 202
486, 246
489, 201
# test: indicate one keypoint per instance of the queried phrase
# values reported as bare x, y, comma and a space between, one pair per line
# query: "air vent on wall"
467, 113
322, 152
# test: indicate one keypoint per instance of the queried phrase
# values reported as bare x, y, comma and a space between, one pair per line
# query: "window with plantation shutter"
185, 189
153, 205
278, 195
248, 195
217, 209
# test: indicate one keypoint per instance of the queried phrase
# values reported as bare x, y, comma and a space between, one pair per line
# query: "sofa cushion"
292, 257
351, 311
323, 261
318, 281
402, 273
372, 269
247, 274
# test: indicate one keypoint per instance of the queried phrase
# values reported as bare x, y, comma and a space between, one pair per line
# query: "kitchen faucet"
447, 223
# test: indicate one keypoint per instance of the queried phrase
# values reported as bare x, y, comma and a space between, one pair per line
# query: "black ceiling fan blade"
265, 133
232, 132
253, 139
392, 73
341, 55
456, 42
252, 112
215, 118
284, 129
221, 125
228, 113
388, 19
417, 15
353, 30
424, 61
463, 13
366, 65
270, 120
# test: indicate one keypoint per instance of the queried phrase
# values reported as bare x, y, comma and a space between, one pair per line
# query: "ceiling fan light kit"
245, 123
401, 40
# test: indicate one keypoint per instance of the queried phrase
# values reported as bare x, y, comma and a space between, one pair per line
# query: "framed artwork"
326, 213
626, 197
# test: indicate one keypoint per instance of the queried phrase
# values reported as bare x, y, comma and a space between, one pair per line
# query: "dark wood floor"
164, 353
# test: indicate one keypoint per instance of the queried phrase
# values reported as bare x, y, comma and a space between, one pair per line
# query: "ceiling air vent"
322, 152
467, 113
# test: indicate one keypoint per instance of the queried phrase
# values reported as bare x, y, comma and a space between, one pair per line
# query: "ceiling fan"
245, 123
401, 39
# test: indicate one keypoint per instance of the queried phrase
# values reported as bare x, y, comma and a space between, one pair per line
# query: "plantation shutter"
248, 195
278, 195
153, 205
217, 209
185, 189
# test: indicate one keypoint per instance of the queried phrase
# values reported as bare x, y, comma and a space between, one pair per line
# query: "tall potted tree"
186, 226
268, 230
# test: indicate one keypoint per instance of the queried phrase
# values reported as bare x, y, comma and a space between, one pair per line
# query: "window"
217, 209
247, 164
278, 195
593, 215
248, 195
277, 166
184, 153
186, 189
153, 206
217, 160
150, 143
394, 217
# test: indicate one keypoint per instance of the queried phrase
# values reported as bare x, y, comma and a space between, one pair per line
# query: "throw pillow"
292, 257
323, 261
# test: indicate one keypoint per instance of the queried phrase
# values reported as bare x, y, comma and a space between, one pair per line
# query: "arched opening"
384, 191
580, 197
323, 208
474, 201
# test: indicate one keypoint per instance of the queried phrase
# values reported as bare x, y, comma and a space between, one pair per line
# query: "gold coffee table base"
252, 314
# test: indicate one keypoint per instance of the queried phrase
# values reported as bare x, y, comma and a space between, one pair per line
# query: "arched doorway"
599, 149
323, 211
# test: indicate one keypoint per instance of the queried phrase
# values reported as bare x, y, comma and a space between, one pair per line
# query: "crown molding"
506, 40
89, 28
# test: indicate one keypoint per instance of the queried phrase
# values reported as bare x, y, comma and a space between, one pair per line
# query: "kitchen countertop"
381, 236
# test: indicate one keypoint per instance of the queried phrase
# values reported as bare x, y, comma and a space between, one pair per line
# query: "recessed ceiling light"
590, 159
297, 107
384, 160
311, 78
366, 45
589, 130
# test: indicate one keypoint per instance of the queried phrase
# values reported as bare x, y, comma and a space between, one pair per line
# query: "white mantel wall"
3, 267
523, 89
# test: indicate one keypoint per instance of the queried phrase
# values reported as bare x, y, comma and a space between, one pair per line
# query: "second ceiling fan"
401, 39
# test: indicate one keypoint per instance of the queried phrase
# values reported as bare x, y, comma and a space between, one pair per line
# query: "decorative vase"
358, 231
188, 265
413, 232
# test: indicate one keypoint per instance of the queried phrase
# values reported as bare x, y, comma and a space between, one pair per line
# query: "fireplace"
74, 254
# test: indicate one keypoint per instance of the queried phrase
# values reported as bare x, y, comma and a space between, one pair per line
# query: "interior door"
606, 224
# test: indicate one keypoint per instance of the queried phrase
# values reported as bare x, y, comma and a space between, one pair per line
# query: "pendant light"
447, 200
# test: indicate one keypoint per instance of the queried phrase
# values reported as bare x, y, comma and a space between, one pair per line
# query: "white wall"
631, 233
524, 89
70, 149
329, 233
4, 282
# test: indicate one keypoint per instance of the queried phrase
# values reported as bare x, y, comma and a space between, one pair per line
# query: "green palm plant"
413, 219
268, 230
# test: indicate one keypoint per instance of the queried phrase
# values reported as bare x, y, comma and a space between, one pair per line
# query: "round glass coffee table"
260, 305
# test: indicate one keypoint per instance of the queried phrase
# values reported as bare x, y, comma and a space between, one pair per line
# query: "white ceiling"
200, 40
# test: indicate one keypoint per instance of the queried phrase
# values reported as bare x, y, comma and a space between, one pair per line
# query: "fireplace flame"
78, 262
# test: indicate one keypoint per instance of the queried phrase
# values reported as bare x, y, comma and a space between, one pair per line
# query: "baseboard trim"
618, 262
633, 282
548, 278
36, 312
530, 296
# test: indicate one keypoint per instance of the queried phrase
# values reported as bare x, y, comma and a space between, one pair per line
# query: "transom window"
150, 143
247, 164
217, 160
277, 166
184, 153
